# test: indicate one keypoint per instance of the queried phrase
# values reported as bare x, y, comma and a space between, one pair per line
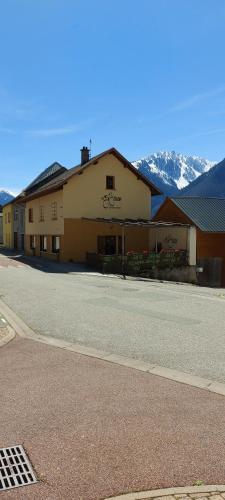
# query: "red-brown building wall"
208, 244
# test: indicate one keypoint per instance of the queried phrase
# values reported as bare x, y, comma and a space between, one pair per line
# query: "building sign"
170, 242
111, 201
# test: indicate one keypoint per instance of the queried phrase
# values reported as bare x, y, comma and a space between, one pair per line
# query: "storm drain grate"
15, 468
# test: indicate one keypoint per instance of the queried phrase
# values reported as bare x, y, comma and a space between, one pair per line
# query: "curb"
10, 334
25, 331
183, 490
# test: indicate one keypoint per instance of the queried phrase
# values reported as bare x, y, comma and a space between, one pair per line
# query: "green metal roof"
208, 214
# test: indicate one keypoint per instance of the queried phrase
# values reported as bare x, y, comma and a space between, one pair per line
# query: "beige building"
8, 235
73, 214
1, 226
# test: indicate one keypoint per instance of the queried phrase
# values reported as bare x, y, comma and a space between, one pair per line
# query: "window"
5, 218
43, 243
41, 214
120, 246
9, 217
15, 240
110, 182
107, 245
22, 217
55, 244
30, 215
32, 242
15, 214
54, 210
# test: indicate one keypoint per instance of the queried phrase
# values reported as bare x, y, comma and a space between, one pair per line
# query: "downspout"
123, 251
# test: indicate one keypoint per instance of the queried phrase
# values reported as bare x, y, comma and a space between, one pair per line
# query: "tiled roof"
49, 173
57, 182
52, 185
208, 214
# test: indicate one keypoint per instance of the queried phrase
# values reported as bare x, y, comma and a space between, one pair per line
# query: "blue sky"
141, 76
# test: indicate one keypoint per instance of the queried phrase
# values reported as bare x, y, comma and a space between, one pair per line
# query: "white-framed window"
110, 182
41, 213
32, 242
30, 215
55, 244
43, 243
54, 210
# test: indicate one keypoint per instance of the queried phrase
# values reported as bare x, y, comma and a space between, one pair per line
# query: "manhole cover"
15, 468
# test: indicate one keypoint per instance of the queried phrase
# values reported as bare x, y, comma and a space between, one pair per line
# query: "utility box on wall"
209, 272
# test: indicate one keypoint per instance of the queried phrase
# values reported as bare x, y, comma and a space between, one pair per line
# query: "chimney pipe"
85, 155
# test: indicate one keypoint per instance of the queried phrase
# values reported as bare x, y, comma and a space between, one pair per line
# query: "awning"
134, 222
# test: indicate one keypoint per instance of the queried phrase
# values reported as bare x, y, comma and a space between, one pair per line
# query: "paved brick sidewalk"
215, 492
93, 429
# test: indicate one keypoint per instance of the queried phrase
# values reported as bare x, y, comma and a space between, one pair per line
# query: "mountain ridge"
211, 184
171, 172
5, 197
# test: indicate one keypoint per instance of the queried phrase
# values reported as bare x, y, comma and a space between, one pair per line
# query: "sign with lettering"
111, 201
170, 241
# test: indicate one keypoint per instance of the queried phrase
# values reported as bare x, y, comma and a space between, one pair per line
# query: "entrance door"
22, 242
110, 245
15, 241
106, 245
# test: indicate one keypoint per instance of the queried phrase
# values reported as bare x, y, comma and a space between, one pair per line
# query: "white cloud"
4, 130
52, 132
196, 135
57, 131
191, 101
45, 132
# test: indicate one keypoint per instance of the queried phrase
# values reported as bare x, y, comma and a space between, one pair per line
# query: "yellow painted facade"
81, 236
47, 215
8, 236
85, 195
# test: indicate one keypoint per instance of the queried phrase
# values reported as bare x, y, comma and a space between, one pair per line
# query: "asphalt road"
176, 326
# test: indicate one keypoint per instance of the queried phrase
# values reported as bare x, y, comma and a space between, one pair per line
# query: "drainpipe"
123, 251
156, 242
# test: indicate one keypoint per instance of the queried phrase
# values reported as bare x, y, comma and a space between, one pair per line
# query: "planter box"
165, 265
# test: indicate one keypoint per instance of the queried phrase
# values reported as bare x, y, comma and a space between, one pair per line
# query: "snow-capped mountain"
174, 170
171, 172
5, 197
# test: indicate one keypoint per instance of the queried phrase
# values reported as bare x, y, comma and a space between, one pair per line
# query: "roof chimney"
85, 155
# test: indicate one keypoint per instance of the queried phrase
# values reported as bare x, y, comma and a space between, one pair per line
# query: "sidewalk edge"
8, 337
181, 490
